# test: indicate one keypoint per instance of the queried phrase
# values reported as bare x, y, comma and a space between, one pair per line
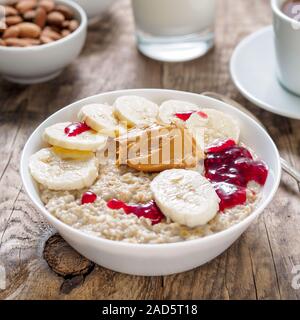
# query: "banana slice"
169, 109
100, 117
136, 111
216, 124
196, 125
89, 140
185, 197
68, 154
50, 170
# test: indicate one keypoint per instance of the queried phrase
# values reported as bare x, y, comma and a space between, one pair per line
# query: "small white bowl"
156, 259
44, 62
95, 8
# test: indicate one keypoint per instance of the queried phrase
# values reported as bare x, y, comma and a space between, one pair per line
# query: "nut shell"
40, 17
29, 15
11, 32
25, 42
29, 30
73, 25
10, 11
55, 18
24, 6
44, 39
49, 33
48, 5
12, 20
34, 22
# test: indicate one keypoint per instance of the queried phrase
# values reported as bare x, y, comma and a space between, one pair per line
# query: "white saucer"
252, 70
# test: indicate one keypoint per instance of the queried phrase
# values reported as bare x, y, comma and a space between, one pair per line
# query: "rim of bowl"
276, 9
94, 238
83, 24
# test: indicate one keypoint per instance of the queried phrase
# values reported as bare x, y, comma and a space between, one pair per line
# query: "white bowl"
41, 63
95, 8
156, 259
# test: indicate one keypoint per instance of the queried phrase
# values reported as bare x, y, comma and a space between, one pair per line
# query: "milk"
165, 18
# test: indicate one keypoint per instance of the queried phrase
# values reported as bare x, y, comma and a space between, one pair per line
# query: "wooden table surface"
257, 266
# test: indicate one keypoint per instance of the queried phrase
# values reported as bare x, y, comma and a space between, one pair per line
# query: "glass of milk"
174, 30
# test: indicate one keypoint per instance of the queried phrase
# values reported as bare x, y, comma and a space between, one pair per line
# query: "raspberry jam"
186, 115
76, 128
202, 114
230, 195
230, 167
149, 210
88, 197
218, 146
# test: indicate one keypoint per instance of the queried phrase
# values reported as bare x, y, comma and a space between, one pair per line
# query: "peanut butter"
157, 148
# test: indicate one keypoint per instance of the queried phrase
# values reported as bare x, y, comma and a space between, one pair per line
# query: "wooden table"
257, 266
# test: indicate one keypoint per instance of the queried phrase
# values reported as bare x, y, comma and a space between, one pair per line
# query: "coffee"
286, 24
292, 9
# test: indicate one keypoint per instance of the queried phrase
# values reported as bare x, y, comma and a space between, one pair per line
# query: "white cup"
287, 46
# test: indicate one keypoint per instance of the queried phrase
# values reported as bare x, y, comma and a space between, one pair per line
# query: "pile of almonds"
36, 22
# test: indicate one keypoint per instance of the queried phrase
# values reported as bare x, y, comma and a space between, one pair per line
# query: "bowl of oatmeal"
150, 181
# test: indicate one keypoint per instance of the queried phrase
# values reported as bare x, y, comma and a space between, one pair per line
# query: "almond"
44, 39
47, 32
29, 30
55, 18
26, 5
11, 32
66, 11
31, 42
66, 24
12, 20
74, 24
10, 11
65, 32
40, 17
34, 22
29, 15
16, 42
54, 28
48, 5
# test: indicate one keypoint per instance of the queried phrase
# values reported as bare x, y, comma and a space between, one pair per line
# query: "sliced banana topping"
100, 117
169, 139
68, 154
136, 111
169, 109
89, 140
216, 125
185, 197
56, 173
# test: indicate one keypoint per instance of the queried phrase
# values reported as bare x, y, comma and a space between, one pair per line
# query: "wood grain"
257, 266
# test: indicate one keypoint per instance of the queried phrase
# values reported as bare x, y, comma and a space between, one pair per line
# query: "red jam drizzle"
230, 195
202, 114
230, 167
76, 128
88, 197
186, 115
220, 146
149, 210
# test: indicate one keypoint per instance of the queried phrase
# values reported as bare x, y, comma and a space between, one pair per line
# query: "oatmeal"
133, 187
164, 202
